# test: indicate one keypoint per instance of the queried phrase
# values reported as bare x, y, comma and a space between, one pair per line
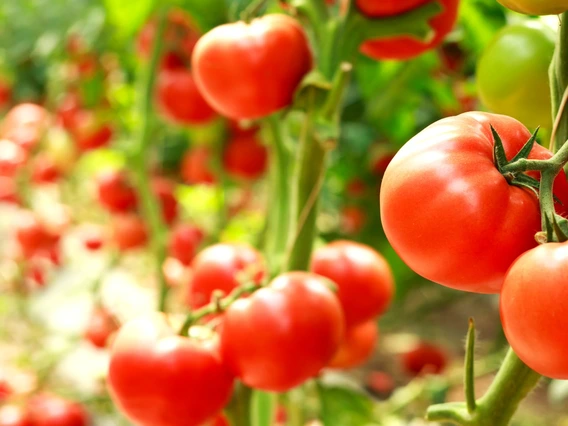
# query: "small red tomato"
32, 235
164, 190
196, 167
381, 163
283, 334
115, 192
50, 410
356, 187
101, 325
363, 277
383, 8
14, 415
5, 391
44, 170
129, 231
5, 94
158, 378
231, 63
406, 47
352, 220
8, 190
357, 345
425, 358
12, 157
90, 131
93, 239
245, 157
380, 382
68, 110
179, 99
183, 243
223, 267
25, 124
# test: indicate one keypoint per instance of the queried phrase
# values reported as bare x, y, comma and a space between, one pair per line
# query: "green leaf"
263, 405
341, 406
499, 156
127, 16
527, 148
313, 84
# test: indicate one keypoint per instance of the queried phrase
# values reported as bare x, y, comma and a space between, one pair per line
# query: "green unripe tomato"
512, 73
536, 7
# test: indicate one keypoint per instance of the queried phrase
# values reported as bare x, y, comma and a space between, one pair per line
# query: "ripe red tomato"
5, 391
158, 378
282, 334
101, 325
8, 190
380, 383
68, 109
44, 170
219, 420
164, 190
223, 267
25, 124
184, 241
230, 65
425, 358
115, 192
51, 410
32, 235
179, 99
129, 231
357, 346
449, 213
5, 94
245, 157
383, 8
406, 47
363, 277
14, 415
352, 220
90, 131
12, 157
533, 311
196, 166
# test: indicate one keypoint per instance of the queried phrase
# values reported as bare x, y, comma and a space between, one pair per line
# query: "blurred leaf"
100, 159
341, 406
262, 408
127, 16
207, 13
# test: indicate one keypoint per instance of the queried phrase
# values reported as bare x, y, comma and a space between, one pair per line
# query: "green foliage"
341, 406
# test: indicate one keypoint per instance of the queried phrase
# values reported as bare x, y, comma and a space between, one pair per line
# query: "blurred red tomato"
114, 191
383, 8
32, 235
51, 410
14, 415
164, 190
68, 109
184, 241
5, 94
352, 219
12, 157
100, 327
90, 131
356, 187
357, 345
129, 231
44, 170
380, 382
25, 124
8, 190
5, 391
424, 358
245, 157
196, 166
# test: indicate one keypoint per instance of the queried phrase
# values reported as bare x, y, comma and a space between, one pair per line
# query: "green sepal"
499, 156
560, 225
527, 147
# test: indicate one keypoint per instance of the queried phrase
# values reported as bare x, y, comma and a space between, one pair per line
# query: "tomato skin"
533, 309
158, 378
129, 231
44, 170
444, 203
245, 157
365, 284
406, 47
102, 324
50, 410
297, 326
5, 391
184, 241
12, 157
25, 124
196, 166
115, 192
425, 358
179, 99
383, 8
357, 346
230, 65
14, 415
223, 267
512, 73
536, 7
32, 235
5, 94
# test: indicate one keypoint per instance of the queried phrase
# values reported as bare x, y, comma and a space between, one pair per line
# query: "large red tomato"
183, 242
248, 71
51, 410
449, 213
363, 277
282, 334
533, 312
245, 157
406, 47
180, 100
158, 378
196, 166
382, 8
357, 345
102, 324
114, 191
223, 267
14, 415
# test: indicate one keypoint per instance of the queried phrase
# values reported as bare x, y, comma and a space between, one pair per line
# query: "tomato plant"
357, 346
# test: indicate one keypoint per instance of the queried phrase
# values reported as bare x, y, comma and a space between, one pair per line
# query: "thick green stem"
559, 83
469, 376
150, 205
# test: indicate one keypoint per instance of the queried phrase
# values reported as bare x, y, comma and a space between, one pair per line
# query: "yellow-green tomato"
536, 7
512, 73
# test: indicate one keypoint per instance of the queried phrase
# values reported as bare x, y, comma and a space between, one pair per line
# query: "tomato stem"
469, 376
149, 203
559, 85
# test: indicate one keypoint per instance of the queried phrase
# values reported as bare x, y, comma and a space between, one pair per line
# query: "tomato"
353, 219
32, 235
44, 170
196, 166
5, 391
364, 280
512, 73
223, 267
158, 378
114, 191
380, 382
184, 241
407, 47
425, 358
12, 157
449, 213
219, 420
356, 187
50, 410
381, 162
282, 334
25, 124
129, 231
245, 157
383, 8
357, 346
14, 415
231, 64
90, 131
5, 94
94, 238
101, 325
533, 309
68, 109
536, 7
179, 99
8, 191
164, 190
